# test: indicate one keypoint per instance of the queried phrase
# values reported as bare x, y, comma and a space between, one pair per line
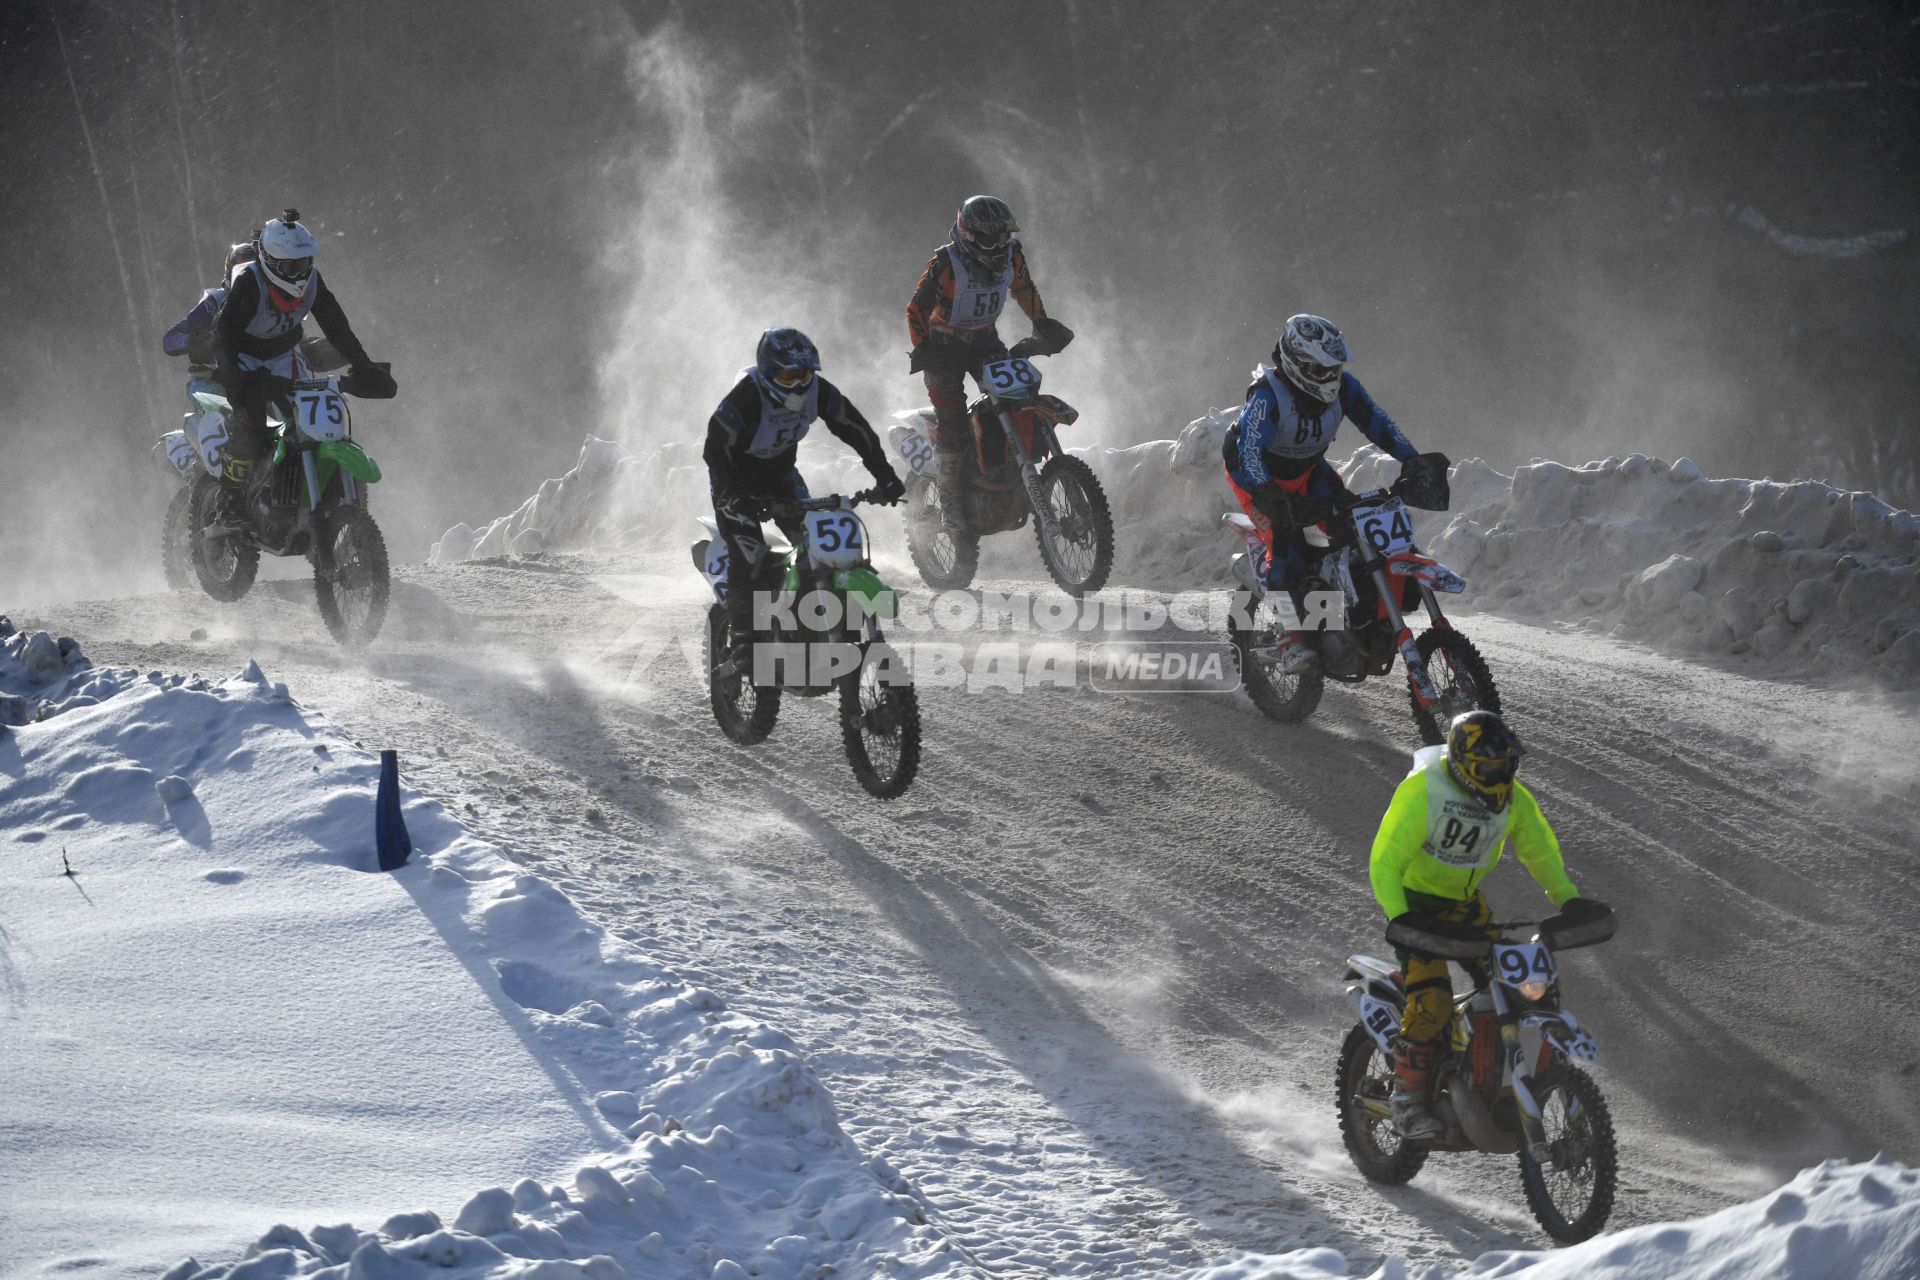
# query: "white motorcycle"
1507, 1082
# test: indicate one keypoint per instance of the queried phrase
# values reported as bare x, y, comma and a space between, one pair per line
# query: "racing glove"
917, 358
888, 488
371, 382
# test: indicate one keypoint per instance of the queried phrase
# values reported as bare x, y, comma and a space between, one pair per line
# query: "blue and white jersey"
1284, 429
779, 428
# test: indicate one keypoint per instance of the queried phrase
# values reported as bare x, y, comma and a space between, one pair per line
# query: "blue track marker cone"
389, 828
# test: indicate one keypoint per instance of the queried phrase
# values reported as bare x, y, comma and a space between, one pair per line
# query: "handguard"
1441, 939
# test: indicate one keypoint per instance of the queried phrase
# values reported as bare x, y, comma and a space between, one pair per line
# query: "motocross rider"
1276, 455
951, 322
1449, 822
752, 440
257, 337
192, 335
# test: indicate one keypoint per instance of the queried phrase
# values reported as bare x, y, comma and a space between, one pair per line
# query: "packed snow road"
1079, 984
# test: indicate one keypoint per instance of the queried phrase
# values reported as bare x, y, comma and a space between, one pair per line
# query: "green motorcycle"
826, 603
312, 503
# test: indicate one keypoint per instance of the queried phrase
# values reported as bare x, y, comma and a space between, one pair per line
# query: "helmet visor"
1494, 771
291, 269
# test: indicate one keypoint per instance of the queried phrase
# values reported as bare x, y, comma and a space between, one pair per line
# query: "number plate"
714, 566
321, 414
1010, 379
1381, 1020
918, 451
1386, 530
1522, 963
210, 438
835, 539
180, 455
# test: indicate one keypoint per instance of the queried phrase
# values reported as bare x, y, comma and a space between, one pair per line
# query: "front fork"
1030, 475
1417, 677
1520, 1080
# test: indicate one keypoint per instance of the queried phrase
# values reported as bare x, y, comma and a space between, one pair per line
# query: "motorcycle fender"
350, 458
1423, 569
877, 599
1564, 1033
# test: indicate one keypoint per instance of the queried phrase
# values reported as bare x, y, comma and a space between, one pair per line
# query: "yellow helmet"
1483, 754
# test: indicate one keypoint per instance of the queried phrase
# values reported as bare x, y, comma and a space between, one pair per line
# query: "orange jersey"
980, 297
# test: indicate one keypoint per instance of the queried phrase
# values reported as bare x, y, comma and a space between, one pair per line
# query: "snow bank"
1860, 1221
225, 1019
1784, 576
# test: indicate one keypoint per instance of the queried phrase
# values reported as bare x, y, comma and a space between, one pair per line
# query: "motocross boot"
1412, 1065
946, 480
1297, 654
237, 479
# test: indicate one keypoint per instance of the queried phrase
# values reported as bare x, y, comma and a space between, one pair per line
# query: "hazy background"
1548, 230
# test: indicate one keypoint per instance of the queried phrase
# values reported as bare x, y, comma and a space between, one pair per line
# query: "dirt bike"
1493, 1091
312, 504
1370, 559
1018, 469
825, 636
179, 453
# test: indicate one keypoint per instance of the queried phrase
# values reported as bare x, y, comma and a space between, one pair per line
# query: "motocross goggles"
293, 270
793, 379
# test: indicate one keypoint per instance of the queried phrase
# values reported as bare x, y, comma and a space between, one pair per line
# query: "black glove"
1275, 503
1422, 482
1584, 909
200, 348
1308, 509
371, 382
888, 488
1026, 348
917, 358
1052, 335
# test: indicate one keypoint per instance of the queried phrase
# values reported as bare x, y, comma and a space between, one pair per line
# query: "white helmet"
287, 251
1310, 353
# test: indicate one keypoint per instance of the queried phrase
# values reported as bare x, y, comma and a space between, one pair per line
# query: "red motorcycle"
1379, 575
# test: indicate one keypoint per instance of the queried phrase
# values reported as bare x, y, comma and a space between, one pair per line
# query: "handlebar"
832, 502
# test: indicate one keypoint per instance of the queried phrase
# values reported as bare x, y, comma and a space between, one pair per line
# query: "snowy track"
1078, 984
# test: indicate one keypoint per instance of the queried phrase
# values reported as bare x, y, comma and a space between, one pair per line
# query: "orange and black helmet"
1483, 754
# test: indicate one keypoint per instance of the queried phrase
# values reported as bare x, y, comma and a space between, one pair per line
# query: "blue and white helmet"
785, 363
1310, 354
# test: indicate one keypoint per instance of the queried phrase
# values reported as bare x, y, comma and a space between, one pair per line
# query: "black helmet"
245, 251
984, 230
1483, 754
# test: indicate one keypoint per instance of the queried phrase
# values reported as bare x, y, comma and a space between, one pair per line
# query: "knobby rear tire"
1288, 699
176, 539
945, 560
744, 711
1377, 1150
223, 566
